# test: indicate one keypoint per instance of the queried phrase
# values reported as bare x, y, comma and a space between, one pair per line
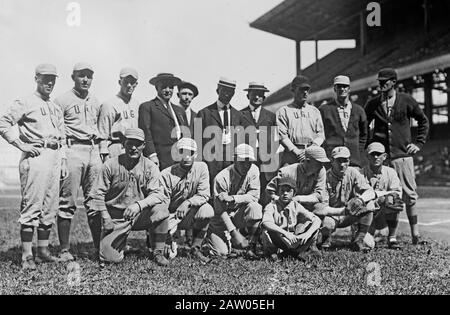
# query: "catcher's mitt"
391, 203
356, 207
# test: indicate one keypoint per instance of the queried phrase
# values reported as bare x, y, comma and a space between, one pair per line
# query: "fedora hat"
165, 77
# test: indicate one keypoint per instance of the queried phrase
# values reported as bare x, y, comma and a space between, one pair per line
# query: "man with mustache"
162, 121
80, 109
41, 139
118, 114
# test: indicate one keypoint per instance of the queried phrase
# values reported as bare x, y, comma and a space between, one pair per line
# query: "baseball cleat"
66, 256
418, 240
28, 263
394, 244
359, 246
159, 258
46, 257
197, 254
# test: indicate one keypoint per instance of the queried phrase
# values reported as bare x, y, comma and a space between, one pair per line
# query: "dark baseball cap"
287, 181
387, 74
300, 81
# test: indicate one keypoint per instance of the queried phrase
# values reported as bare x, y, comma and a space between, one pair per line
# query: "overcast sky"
197, 40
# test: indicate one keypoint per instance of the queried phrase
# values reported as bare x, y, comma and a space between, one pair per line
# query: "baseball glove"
356, 207
391, 203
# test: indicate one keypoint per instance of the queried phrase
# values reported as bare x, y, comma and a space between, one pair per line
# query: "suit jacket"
394, 131
158, 123
265, 137
212, 141
354, 138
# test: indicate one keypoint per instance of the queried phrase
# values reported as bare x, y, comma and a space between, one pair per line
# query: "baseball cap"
82, 66
316, 153
287, 181
46, 68
188, 85
134, 133
375, 147
387, 73
340, 152
300, 81
187, 144
125, 72
227, 82
341, 79
244, 151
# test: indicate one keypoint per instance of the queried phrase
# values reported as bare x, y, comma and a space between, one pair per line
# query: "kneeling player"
287, 225
187, 185
349, 200
386, 184
130, 198
236, 207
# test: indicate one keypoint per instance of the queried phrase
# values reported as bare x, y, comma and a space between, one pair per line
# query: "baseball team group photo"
167, 182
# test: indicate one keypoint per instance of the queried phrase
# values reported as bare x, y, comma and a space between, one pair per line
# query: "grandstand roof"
309, 19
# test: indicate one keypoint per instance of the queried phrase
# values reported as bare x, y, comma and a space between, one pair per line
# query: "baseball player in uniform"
118, 114
287, 225
80, 110
384, 181
391, 113
345, 122
299, 123
344, 183
186, 184
309, 176
43, 162
130, 197
236, 207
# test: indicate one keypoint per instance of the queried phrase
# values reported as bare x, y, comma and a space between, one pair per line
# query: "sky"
197, 40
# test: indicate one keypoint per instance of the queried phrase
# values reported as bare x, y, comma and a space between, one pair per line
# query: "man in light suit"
162, 121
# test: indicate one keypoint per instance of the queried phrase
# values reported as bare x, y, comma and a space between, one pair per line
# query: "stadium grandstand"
414, 38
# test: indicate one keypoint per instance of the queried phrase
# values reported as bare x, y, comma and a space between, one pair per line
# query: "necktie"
226, 120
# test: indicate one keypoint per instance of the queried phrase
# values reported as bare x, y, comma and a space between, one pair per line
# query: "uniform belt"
52, 145
71, 141
115, 141
301, 146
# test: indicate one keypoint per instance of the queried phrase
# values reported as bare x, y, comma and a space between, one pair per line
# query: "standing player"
118, 114
287, 225
344, 184
161, 121
186, 184
345, 122
299, 123
43, 161
130, 198
80, 110
384, 181
236, 207
392, 112
264, 122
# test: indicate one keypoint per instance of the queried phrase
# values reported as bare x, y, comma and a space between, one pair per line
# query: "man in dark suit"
265, 123
162, 121
186, 93
345, 123
220, 124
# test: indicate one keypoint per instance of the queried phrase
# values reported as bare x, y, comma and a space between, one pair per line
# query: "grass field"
414, 270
